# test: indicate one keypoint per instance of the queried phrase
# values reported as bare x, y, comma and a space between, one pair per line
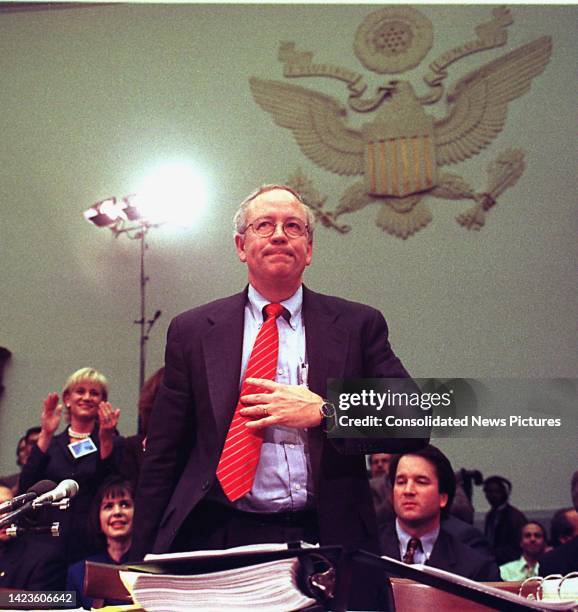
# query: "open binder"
318, 575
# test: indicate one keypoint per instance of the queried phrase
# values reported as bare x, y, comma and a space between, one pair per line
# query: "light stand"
125, 218
139, 233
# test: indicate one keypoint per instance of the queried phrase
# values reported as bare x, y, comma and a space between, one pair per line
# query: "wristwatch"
327, 410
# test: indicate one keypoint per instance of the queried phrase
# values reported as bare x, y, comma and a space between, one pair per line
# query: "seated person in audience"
503, 522
381, 486
563, 526
423, 488
133, 447
11, 481
379, 464
533, 544
85, 451
26, 562
30, 440
564, 559
382, 500
110, 525
23, 448
462, 507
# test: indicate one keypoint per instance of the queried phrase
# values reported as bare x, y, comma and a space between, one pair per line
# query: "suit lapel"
326, 345
223, 346
390, 543
443, 554
326, 342
62, 440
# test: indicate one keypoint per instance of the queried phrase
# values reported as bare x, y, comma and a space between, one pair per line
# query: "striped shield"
400, 166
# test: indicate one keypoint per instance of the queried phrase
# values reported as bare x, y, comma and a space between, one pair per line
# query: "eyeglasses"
292, 228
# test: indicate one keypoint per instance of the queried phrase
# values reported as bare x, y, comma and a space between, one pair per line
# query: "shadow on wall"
5, 355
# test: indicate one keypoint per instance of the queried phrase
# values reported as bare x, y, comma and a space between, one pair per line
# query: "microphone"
67, 488
152, 321
33, 492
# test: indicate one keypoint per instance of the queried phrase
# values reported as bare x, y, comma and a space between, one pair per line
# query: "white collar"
292, 304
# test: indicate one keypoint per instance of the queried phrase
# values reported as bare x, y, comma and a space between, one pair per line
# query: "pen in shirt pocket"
303, 374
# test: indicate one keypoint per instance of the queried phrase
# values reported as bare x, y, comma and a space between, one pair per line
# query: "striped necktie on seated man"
413, 545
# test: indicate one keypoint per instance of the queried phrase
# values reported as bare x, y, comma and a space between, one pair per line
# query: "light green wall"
92, 99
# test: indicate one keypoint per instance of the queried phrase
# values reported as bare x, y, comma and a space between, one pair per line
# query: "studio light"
104, 213
131, 208
173, 193
125, 216
118, 215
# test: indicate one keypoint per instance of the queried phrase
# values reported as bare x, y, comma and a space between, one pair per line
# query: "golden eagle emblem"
401, 152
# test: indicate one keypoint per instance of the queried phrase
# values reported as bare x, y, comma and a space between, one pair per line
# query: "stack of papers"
265, 586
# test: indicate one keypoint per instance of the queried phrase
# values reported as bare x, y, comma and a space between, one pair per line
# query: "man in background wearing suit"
564, 558
423, 488
304, 486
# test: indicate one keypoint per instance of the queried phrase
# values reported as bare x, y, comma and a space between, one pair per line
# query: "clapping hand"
108, 420
51, 413
49, 420
107, 417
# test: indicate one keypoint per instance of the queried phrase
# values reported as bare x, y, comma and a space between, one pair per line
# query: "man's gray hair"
240, 218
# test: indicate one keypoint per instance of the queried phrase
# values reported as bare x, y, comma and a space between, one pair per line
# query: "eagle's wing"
317, 122
479, 101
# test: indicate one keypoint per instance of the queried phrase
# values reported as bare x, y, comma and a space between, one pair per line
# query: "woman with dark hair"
133, 447
86, 451
110, 525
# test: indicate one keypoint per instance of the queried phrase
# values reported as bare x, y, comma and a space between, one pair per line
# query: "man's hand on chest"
287, 405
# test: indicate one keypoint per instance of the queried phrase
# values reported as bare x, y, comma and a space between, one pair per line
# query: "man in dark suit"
423, 488
305, 486
563, 559
503, 522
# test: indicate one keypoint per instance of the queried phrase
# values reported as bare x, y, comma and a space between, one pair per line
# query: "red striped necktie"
240, 456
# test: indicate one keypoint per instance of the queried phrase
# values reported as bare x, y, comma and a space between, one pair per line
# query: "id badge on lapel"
82, 447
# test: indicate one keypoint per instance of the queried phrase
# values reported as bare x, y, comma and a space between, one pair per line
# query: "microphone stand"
53, 529
8, 519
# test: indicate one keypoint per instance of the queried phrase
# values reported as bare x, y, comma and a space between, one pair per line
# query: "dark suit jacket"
467, 534
56, 464
561, 560
505, 543
131, 458
197, 398
31, 562
448, 554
